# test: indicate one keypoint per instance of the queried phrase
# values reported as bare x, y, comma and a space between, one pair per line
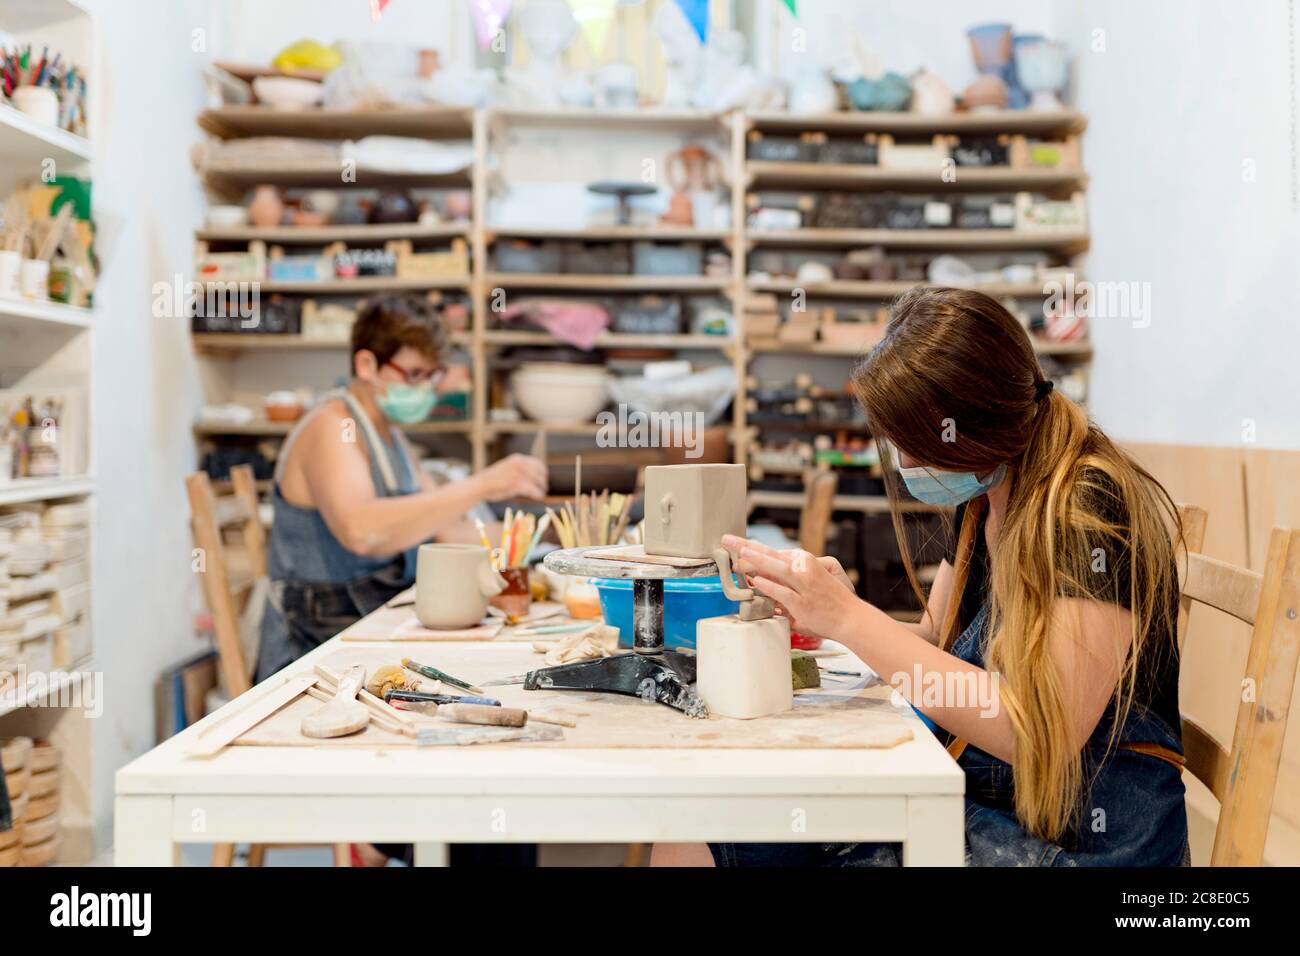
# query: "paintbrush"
424, 670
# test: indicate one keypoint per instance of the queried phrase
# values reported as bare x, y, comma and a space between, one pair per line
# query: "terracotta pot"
266, 207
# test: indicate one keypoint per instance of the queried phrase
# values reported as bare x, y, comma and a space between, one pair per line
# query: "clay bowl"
44, 783
41, 854
15, 753
45, 756
38, 831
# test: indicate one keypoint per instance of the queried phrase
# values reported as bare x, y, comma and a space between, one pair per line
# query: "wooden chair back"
1244, 777
228, 570
815, 519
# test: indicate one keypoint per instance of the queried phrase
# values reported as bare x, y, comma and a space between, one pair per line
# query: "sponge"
803, 670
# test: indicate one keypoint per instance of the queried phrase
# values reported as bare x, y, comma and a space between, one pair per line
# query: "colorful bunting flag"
594, 18
697, 15
489, 19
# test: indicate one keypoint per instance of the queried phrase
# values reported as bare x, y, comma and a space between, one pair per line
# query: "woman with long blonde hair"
1047, 652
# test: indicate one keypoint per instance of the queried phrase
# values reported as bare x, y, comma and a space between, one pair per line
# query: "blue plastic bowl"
686, 601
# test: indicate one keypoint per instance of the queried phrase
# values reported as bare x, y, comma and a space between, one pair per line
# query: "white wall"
1182, 102
144, 391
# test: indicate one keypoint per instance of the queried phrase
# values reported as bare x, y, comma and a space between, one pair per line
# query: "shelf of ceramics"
426, 122
1067, 243
235, 179
655, 233
1065, 350
579, 118
762, 173
309, 235
223, 343
865, 289
863, 504
270, 429
1039, 122
613, 340
25, 490
360, 284
607, 283
22, 315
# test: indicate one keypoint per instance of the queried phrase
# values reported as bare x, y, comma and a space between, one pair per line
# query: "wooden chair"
818, 503
1244, 778
229, 571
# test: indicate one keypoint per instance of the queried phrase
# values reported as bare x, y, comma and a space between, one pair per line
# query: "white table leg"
142, 832
431, 854
936, 831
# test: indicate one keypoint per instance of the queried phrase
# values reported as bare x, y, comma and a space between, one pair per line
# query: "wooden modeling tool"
213, 739
344, 714
478, 714
392, 726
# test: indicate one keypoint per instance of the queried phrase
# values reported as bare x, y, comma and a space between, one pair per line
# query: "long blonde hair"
956, 385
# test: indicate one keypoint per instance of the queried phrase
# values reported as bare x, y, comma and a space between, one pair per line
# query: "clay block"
742, 668
690, 507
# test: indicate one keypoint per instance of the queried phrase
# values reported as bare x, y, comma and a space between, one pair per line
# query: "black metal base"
663, 678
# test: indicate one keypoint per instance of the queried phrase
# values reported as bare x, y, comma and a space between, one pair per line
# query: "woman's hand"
813, 592
515, 476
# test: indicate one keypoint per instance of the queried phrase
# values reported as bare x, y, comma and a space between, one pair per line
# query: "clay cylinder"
742, 668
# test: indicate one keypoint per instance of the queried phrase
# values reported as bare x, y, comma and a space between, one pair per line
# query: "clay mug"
453, 583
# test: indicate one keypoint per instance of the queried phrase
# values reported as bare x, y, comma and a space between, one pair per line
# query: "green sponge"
803, 670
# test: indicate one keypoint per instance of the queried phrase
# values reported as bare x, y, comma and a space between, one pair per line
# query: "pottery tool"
555, 629
478, 714
827, 670
539, 446
424, 670
420, 697
319, 693
344, 714
482, 533
505, 681
376, 705
537, 535
803, 671
213, 739
465, 735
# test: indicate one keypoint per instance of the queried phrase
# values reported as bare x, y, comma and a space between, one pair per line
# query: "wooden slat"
816, 514
1193, 520
1224, 586
245, 485
230, 510
216, 582
1265, 706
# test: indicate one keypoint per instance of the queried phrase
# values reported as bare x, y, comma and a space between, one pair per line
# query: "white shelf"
24, 314
26, 144
57, 682
24, 490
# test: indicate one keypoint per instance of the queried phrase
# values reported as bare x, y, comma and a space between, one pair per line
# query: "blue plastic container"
686, 601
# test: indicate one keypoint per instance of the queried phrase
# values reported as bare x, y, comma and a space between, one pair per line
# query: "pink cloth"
577, 323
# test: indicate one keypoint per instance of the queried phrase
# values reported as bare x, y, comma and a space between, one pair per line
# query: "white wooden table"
910, 794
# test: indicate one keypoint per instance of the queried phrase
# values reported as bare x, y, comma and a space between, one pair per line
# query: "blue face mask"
407, 404
949, 488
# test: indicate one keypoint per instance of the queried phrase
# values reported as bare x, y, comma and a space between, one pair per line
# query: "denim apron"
319, 587
1133, 811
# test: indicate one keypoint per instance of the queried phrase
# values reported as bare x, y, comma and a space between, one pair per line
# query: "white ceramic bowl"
287, 92
555, 392
227, 217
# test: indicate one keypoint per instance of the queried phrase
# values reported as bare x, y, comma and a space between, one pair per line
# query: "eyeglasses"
418, 376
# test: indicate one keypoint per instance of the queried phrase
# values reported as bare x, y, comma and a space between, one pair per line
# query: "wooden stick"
213, 739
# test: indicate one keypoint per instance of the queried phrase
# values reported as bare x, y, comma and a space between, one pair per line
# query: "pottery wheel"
650, 672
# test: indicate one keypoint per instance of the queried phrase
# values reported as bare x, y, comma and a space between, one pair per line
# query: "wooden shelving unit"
490, 131
48, 345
